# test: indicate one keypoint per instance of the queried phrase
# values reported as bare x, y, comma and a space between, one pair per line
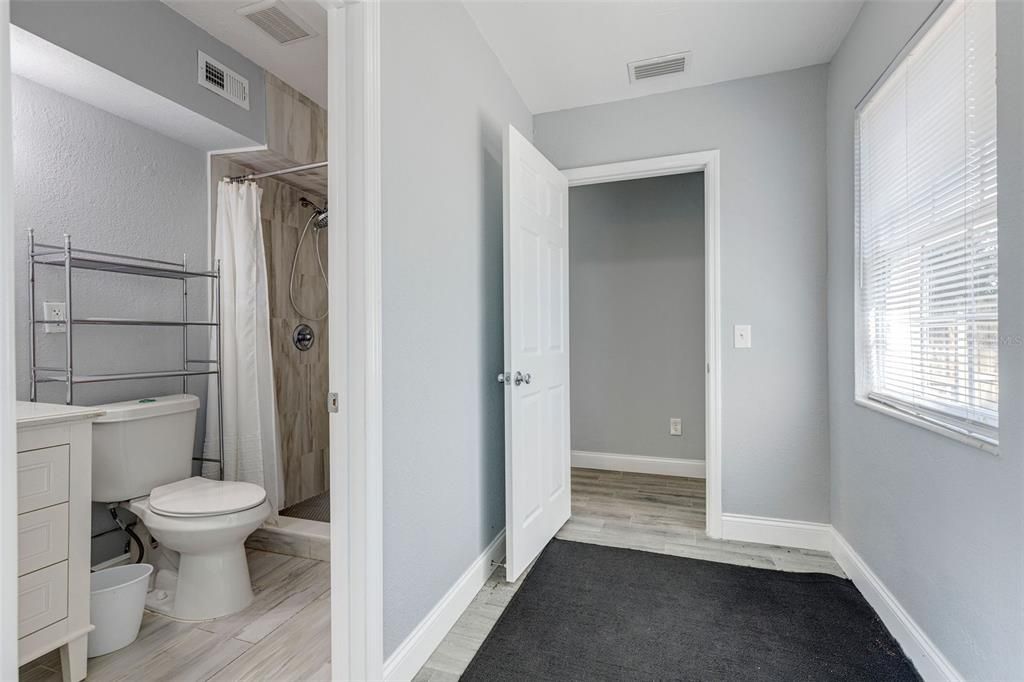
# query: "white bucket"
117, 598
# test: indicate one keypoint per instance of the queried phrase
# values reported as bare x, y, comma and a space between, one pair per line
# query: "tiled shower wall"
300, 377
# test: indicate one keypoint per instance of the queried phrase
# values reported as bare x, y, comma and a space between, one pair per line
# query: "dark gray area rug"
588, 612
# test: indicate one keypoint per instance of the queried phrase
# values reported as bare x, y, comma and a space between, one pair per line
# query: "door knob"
521, 378
504, 377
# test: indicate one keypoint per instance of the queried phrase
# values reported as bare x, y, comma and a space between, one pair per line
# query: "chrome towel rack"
71, 259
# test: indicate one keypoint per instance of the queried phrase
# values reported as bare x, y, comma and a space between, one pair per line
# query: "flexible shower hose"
319, 262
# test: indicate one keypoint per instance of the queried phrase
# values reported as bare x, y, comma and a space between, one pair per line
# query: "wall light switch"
53, 311
741, 336
675, 427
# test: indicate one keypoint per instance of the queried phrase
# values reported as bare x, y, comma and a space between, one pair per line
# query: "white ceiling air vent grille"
278, 21
658, 66
220, 79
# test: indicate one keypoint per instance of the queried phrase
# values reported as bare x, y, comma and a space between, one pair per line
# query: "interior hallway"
663, 514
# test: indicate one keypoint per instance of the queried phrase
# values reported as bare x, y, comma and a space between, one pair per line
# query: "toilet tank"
140, 444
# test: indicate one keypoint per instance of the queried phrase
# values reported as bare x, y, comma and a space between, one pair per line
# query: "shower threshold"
316, 508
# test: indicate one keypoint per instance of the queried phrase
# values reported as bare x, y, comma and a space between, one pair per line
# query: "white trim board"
8, 417
918, 647
413, 653
708, 162
354, 274
781, 532
638, 464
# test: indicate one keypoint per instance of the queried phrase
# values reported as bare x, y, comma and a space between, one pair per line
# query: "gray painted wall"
152, 45
445, 101
636, 313
938, 521
113, 186
771, 133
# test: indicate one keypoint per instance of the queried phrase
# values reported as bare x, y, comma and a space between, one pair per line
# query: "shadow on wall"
492, 256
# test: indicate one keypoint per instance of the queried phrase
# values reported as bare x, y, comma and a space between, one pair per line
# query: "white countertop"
42, 414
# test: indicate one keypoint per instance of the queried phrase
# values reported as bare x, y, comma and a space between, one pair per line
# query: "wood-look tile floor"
283, 635
636, 511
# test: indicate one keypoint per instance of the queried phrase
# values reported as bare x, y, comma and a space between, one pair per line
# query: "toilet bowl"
201, 527
142, 461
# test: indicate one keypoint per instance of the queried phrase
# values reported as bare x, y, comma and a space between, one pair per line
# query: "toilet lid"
198, 496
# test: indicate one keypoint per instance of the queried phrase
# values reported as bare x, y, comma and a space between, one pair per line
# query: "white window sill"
966, 439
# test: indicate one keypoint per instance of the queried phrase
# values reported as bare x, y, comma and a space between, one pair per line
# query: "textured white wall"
113, 186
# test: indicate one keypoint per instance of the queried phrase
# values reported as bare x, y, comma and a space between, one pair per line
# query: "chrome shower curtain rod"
283, 171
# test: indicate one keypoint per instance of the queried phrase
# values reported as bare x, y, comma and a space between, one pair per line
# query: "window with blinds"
928, 332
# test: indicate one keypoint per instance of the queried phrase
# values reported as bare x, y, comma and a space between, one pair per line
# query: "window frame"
969, 432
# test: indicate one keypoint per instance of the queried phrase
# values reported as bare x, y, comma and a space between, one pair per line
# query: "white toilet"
142, 458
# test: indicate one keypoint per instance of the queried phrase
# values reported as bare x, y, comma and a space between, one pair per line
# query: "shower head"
319, 217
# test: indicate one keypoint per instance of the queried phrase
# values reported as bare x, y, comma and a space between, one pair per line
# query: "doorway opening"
538, 493
637, 359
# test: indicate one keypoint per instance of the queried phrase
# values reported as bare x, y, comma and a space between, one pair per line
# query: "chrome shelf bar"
84, 263
123, 321
126, 376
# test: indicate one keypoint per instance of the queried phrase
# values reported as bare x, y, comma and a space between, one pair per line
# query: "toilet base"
204, 587
202, 568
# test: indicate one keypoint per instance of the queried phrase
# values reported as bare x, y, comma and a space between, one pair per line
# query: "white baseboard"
927, 658
412, 653
782, 532
638, 464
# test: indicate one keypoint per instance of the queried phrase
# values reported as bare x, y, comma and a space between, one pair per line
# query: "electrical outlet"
741, 336
54, 311
675, 426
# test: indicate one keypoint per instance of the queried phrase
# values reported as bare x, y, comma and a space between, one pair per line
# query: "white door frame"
8, 426
355, 347
354, 261
708, 162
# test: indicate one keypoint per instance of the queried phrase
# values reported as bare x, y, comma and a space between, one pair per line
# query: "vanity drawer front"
42, 538
43, 477
42, 598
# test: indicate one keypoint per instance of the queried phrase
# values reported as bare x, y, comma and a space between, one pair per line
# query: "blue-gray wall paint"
113, 186
771, 133
445, 101
151, 45
636, 312
941, 523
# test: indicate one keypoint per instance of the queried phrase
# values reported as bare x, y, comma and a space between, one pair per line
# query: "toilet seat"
199, 497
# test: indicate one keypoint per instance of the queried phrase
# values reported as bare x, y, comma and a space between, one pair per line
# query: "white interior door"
536, 376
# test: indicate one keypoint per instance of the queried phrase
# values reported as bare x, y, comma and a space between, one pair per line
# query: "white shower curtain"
247, 370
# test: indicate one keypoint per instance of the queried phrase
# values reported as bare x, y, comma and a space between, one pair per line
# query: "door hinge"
332, 402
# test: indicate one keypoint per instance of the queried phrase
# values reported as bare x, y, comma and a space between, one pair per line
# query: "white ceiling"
564, 54
303, 65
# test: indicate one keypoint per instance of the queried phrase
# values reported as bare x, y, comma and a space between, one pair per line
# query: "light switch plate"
675, 426
741, 336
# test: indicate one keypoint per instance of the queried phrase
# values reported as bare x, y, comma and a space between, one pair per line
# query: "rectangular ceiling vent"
220, 79
278, 21
658, 66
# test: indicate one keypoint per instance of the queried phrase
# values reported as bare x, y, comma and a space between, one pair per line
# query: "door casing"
707, 162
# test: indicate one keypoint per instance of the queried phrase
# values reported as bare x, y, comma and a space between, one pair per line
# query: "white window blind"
928, 331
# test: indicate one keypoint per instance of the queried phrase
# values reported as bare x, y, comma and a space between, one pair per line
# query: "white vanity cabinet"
54, 519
